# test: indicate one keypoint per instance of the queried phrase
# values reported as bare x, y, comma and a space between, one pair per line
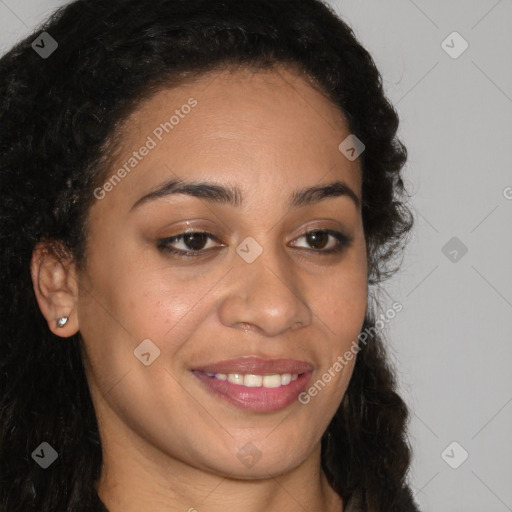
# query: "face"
266, 286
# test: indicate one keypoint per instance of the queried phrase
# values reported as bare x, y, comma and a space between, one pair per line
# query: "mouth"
260, 385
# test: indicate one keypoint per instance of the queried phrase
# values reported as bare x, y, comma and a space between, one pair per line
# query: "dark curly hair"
59, 120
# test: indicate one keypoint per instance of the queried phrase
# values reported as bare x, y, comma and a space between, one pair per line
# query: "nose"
264, 295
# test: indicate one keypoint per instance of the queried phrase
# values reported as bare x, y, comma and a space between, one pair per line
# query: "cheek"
141, 300
340, 303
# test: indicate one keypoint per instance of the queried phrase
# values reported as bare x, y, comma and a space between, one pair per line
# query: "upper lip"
257, 366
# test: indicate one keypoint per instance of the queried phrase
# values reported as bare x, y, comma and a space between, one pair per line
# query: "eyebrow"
231, 195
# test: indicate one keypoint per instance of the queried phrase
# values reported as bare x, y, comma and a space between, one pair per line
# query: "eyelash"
163, 244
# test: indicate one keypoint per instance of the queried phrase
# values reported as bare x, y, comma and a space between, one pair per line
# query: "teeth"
256, 381
236, 378
253, 381
286, 378
272, 381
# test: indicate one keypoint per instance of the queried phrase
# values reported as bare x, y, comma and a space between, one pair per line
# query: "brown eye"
319, 240
193, 244
195, 241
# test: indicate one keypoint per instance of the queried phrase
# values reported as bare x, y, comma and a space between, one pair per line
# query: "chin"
255, 461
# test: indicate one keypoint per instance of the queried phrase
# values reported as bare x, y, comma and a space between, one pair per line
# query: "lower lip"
256, 399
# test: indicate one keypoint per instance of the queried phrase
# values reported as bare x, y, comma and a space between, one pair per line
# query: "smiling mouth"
254, 383
256, 393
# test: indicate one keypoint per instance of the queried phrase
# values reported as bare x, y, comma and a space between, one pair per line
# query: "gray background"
451, 342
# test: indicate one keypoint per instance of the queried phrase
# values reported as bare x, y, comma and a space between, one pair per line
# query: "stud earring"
62, 321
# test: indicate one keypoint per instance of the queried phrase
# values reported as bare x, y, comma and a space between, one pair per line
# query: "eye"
319, 239
193, 241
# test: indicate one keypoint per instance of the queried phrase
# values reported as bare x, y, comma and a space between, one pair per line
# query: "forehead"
260, 127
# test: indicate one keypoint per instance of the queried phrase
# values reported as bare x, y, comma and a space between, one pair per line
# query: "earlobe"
56, 288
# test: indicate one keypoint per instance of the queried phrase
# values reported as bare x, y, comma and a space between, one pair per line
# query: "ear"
55, 284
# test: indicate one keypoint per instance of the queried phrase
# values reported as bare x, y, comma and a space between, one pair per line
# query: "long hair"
59, 116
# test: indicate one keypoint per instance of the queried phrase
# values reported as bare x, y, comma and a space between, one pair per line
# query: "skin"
168, 443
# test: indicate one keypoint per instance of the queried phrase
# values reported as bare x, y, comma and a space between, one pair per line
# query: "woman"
197, 196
